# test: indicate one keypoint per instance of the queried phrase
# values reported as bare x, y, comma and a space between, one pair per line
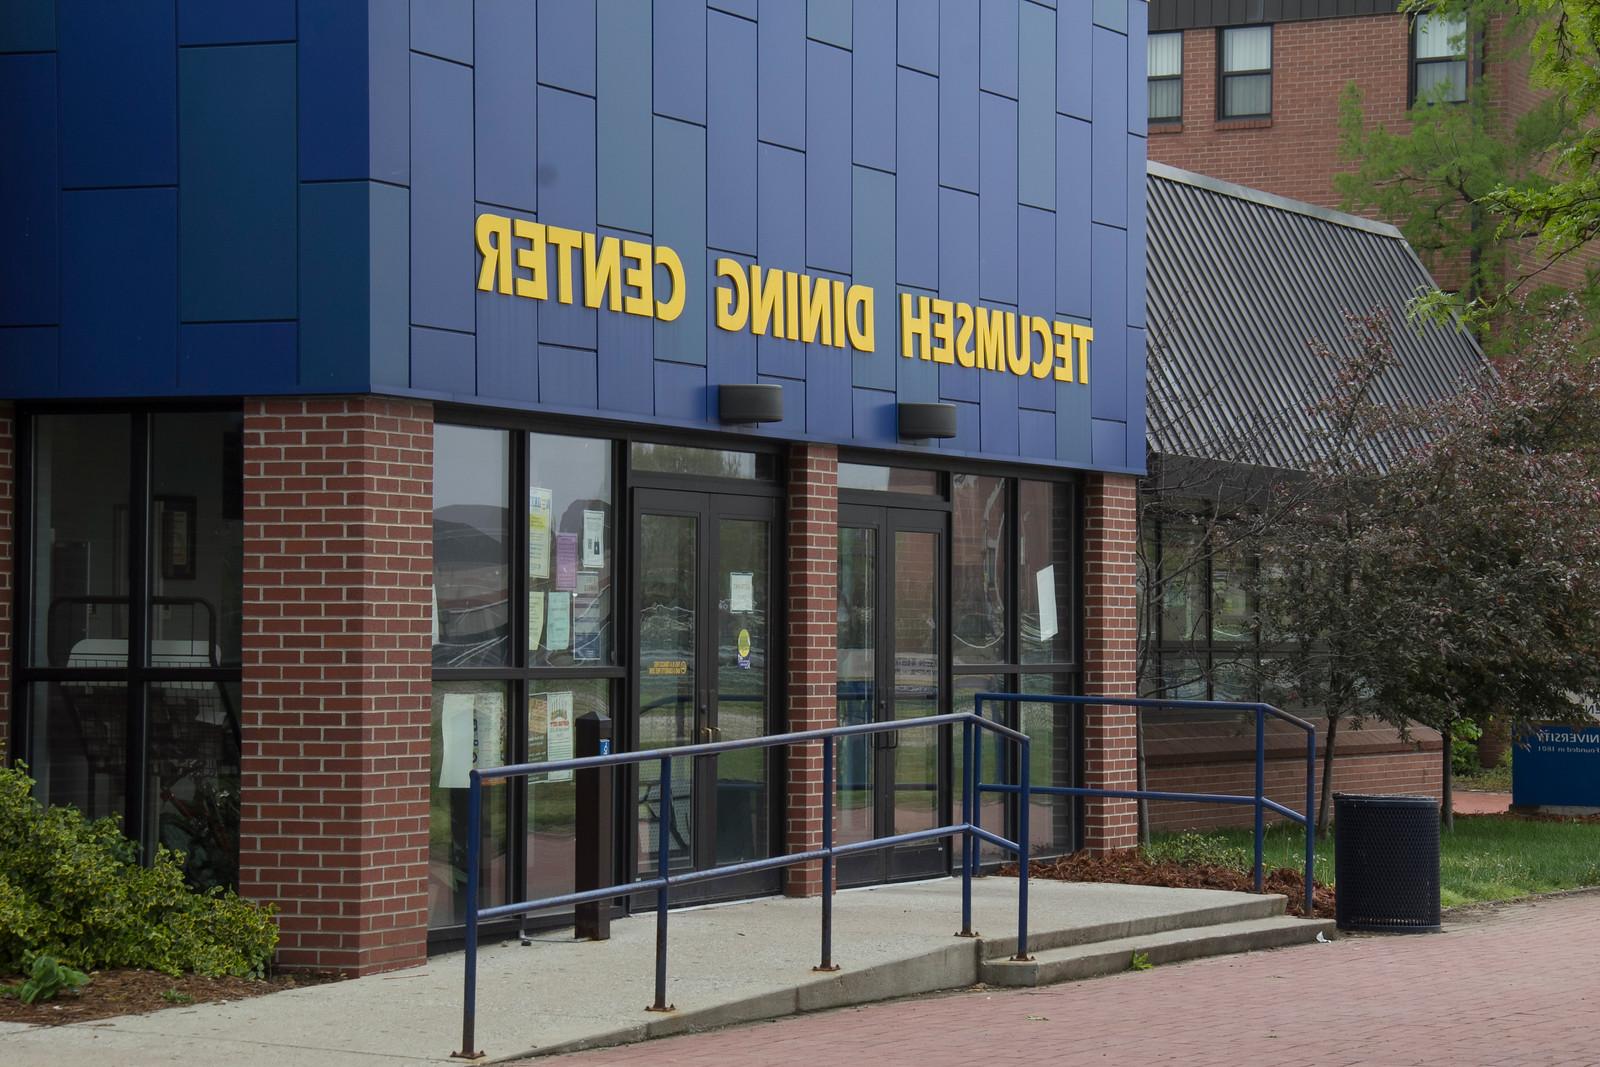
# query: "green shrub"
1464, 737
72, 888
46, 978
1196, 848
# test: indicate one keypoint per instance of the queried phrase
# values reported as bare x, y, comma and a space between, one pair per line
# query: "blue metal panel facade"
296, 215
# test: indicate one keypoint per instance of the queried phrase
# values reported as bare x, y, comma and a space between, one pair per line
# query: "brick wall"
813, 606
1378, 763
8, 541
1110, 640
336, 700
1294, 153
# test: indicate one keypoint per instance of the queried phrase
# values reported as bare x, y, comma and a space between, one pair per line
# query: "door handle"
709, 734
889, 738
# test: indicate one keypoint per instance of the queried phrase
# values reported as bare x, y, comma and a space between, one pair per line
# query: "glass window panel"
857, 679
1288, 682
80, 540
79, 745
471, 547
1048, 609
1165, 54
1050, 730
470, 729
706, 462
1231, 617
1246, 48
669, 549
1166, 99
1233, 679
1442, 81
992, 813
1247, 94
1182, 583
981, 568
888, 479
196, 538
744, 640
1183, 678
1441, 36
192, 796
571, 534
554, 707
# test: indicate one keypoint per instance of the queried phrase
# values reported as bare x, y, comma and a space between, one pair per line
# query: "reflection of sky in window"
471, 466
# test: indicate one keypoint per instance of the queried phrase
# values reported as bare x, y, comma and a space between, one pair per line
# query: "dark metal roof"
1194, 14
1241, 285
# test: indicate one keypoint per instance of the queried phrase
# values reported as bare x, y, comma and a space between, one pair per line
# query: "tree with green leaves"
1443, 561
1438, 178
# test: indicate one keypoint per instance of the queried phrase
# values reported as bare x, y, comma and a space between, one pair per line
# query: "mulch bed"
128, 992
1131, 868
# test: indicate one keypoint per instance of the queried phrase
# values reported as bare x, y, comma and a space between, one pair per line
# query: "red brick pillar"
338, 549
8, 558
1110, 668
813, 555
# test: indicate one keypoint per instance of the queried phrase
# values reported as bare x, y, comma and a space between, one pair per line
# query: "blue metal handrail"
973, 725
1260, 800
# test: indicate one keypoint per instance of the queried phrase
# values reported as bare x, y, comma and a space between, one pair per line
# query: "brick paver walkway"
1473, 803
1507, 987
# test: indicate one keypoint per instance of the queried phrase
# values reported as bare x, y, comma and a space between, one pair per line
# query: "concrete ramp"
727, 964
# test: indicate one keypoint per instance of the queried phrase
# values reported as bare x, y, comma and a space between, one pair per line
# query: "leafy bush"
1464, 737
1195, 848
72, 889
46, 978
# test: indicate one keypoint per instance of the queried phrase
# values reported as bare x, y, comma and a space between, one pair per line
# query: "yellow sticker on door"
744, 649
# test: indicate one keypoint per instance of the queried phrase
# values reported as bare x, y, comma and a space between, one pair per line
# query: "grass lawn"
1486, 857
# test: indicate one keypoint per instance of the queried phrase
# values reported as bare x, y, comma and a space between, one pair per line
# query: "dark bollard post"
595, 828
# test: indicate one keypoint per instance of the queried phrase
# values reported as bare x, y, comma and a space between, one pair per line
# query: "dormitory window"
1246, 89
1166, 77
1439, 43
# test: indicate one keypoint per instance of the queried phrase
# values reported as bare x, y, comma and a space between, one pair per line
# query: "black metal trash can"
1386, 863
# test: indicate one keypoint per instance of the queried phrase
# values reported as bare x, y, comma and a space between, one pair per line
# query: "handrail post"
1261, 789
1024, 783
968, 846
827, 963
469, 1004
1311, 819
663, 855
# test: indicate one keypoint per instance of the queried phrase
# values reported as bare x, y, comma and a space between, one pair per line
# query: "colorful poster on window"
566, 561
535, 618
489, 729
594, 539
586, 629
541, 509
558, 732
558, 625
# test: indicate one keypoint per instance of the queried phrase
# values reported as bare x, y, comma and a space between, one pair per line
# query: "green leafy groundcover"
72, 888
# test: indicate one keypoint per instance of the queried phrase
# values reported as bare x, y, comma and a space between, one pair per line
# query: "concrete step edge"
1266, 906
1111, 957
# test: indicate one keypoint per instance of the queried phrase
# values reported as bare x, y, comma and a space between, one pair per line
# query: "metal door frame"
923, 860
706, 506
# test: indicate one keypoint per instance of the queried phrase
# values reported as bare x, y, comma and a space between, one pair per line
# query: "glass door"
891, 640
705, 607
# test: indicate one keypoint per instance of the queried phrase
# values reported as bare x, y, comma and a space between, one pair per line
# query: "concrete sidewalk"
731, 963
